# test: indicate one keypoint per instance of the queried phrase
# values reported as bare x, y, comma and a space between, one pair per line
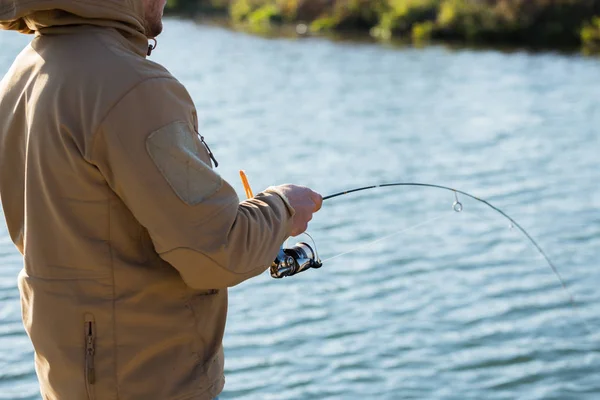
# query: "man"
130, 239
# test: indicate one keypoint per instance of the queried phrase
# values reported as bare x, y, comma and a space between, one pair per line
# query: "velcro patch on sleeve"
176, 150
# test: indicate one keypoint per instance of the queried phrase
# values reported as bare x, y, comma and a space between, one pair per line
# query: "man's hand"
304, 201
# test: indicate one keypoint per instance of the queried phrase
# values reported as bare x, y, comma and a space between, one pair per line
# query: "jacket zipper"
210, 153
90, 350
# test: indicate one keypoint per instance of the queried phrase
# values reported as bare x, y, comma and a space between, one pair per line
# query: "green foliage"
530, 22
193, 6
533, 22
325, 23
349, 14
260, 13
590, 35
399, 16
288, 9
172, 4
239, 10
469, 20
422, 32
264, 15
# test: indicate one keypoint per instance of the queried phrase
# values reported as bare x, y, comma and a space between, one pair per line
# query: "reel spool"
293, 260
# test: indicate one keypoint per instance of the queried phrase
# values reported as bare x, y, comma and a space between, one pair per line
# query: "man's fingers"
304, 201
299, 230
318, 200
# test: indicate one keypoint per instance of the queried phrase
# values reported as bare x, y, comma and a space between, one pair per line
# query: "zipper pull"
89, 353
151, 47
210, 154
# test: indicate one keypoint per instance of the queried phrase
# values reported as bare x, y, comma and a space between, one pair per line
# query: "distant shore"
537, 23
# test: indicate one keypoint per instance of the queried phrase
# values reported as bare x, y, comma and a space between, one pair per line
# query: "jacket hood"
32, 16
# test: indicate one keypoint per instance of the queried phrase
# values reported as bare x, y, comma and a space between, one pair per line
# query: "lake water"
450, 305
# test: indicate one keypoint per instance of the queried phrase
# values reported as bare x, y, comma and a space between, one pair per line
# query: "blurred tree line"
528, 22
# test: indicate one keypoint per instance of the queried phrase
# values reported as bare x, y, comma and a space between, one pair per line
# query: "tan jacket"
129, 238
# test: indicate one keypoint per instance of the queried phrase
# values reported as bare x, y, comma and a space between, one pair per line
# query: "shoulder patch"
176, 149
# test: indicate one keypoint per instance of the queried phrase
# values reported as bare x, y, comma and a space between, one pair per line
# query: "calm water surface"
460, 307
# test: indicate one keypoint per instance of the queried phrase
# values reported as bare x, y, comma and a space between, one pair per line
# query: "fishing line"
458, 207
445, 215
304, 256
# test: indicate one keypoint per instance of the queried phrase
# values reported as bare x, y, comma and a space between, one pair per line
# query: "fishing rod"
303, 256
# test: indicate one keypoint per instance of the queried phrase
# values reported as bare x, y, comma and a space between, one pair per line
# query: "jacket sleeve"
148, 151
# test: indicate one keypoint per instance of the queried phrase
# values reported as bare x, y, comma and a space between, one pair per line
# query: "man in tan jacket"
130, 239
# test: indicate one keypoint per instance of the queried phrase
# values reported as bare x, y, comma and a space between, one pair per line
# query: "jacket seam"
110, 109
218, 264
263, 267
252, 270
